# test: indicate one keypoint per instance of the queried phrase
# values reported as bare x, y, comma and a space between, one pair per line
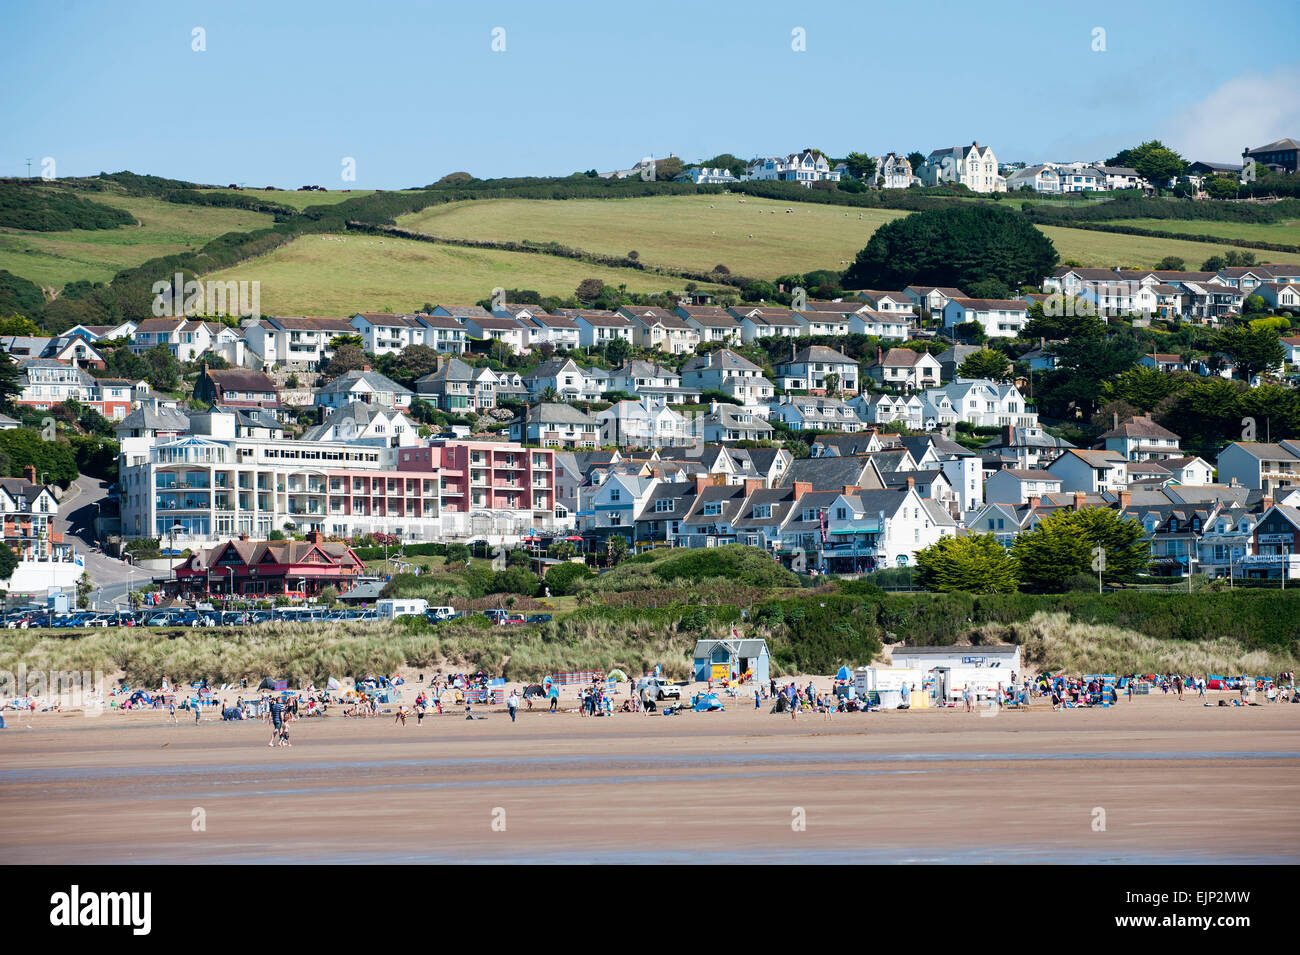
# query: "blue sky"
284, 91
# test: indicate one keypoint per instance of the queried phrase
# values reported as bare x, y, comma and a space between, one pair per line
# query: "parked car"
539, 618
659, 689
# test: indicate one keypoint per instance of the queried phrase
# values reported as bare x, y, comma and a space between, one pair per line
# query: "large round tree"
957, 246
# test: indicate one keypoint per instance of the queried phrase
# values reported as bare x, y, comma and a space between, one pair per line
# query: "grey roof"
721, 359
150, 418
748, 648
377, 382
555, 413
832, 472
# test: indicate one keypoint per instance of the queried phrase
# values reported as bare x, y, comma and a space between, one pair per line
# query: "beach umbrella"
616, 675
534, 689
332, 684
844, 674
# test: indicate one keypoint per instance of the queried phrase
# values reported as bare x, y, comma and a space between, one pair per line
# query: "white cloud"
1248, 110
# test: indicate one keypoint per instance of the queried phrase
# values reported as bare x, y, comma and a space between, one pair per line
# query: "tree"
415, 361
976, 564
1063, 318
832, 383
164, 370
988, 288
346, 358
985, 363
666, 170
916, 161
1142, 387
616, 547
10, 385
1222, 187
84, 586
617, 350
515, 580
1214, 263
589, 290
1154, 161
1253, 350
17, 325
8, 561
1171, 263
563, 579
861, 166
338, 341
957, 245
1091, 540
733, 164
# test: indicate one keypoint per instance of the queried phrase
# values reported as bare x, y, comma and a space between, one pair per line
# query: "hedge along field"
294, 199
1104, 250
1281, 233
96, 255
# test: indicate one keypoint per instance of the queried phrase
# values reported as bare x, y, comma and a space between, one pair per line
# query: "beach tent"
267, 684
534, 689
844, 674
332, 684
616, 676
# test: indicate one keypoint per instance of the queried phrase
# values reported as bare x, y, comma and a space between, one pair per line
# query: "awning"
870, 527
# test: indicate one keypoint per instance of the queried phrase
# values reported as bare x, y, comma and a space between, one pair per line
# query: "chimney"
911, 483
752, 485
1008, 435
29, 473
1114, 419
1079, 498
713, 407
1232, 482
365, 367
880, 355
243, 537
792, 351
850, 489
1042, 342
1033, 501
1125, 499
1265, 502
315, 537
801, 488
701, 482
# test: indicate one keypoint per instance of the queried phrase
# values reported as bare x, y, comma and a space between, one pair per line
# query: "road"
78, 509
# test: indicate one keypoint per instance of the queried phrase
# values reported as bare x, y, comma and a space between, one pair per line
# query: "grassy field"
53, 259
298, 200
750, 236
1104, 249
344, 274
1282, 233
755, 237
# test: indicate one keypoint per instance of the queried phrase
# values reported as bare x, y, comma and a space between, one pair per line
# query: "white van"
440, 613
406, 607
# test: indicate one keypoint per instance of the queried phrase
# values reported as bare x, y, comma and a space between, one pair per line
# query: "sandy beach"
1155, 780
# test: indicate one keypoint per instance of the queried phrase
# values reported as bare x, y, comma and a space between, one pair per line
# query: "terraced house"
660, 330
294, 341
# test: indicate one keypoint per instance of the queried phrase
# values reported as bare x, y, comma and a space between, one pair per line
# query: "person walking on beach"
198, 713
512, 704
965, 695
555, 697
1178, 687
275, 712
401, 715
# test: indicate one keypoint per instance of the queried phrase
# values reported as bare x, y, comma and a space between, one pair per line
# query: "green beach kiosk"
729, 659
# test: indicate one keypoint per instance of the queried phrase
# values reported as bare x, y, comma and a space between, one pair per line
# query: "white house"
804, 167
660, 329
369, 387
765, 322
726, 422
385, 332
892, 172
888, 325
711, 323
931, 299
1000, 318
982, 403
553, 425
812, 368
884, 408
905, 369
1090, 472
294, 341
1141, 439
647, 423
1267, 467
1039, 178
509, 331
565, 378
1190, 472
973, 166
597, 327
888, 301
800, 413
732, 374
1279, 297
1016, 486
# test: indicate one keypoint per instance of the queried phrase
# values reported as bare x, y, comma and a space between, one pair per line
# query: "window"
713, 508
664, 504
762, 510
615, 494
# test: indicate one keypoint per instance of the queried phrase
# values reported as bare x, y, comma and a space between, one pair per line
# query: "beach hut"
729, 659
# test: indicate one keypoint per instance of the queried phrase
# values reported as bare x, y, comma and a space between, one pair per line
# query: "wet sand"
1155, 780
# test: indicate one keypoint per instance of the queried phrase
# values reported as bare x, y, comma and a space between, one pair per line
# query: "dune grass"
1052, 643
